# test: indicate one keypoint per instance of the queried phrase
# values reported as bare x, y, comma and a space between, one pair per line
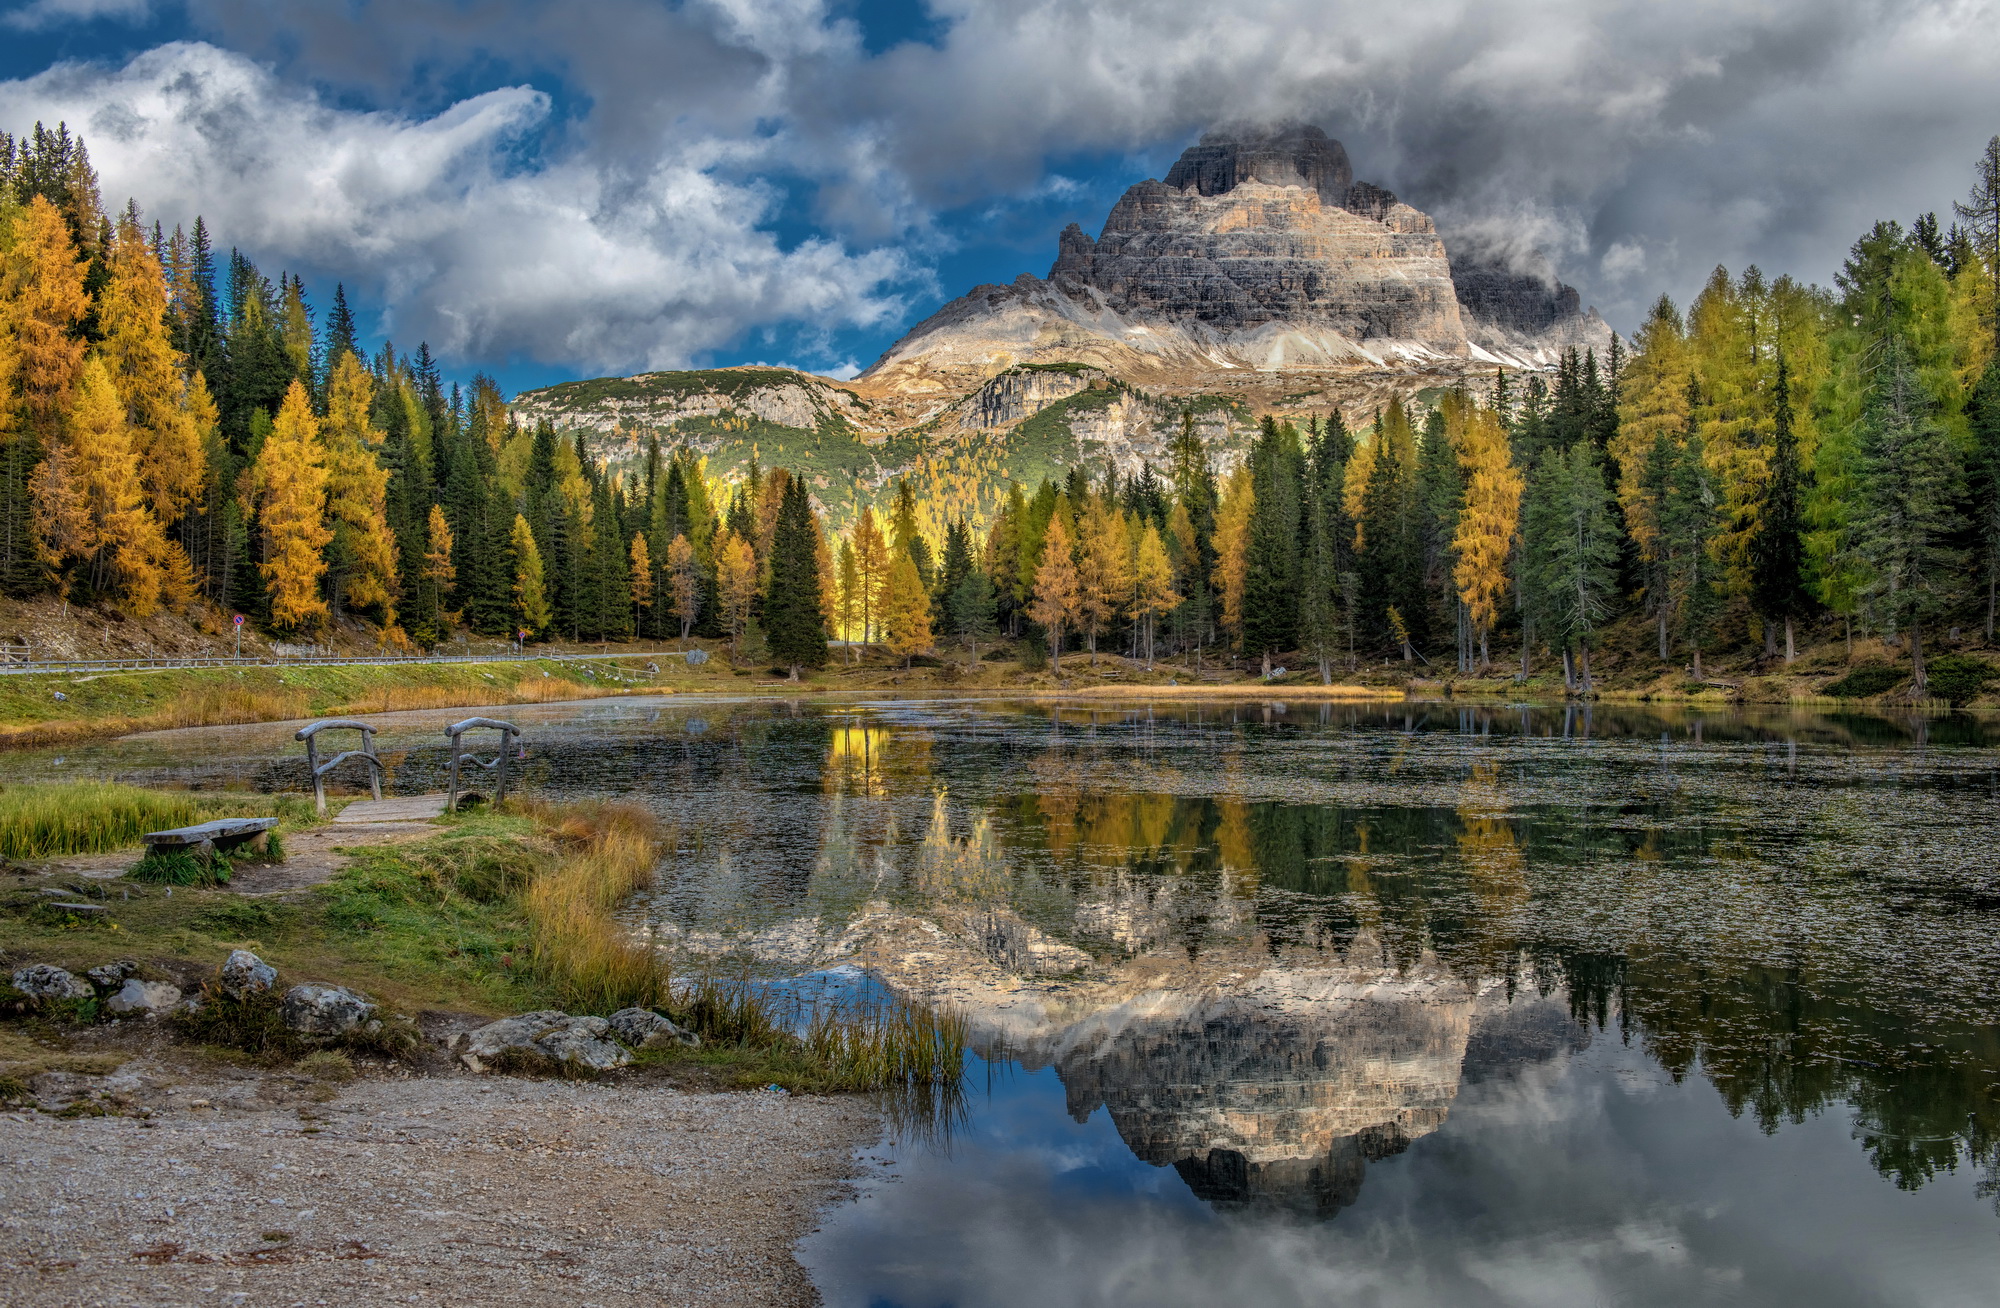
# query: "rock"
325, 1010
143, 998
112, 976
546, 1034
51, 984
642, 1028
245, 974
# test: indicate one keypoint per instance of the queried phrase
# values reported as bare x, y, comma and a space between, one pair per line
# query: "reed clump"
591, 962
901, 1046
85, 817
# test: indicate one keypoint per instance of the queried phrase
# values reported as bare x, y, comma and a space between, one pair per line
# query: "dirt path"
241, 1188
310, 856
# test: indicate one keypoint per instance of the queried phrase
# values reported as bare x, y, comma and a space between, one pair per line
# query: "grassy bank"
500, 913
87, 817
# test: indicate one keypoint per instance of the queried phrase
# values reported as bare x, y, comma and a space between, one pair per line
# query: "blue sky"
549, 192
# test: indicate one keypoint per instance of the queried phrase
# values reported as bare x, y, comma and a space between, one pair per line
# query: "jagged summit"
1261, 252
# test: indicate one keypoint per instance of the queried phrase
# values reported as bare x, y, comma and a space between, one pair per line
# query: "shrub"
179, 867
1866, 681
1959, 677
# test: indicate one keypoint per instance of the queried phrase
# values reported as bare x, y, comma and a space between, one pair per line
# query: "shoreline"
217, 1181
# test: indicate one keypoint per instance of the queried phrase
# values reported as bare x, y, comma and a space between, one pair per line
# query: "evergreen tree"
340, 334
1573, 563
905, 536
1908, 520
1778, 549
1328, 537
1983, 483
1691, 523
1980, 214
794, 624
1271, 554
970, 608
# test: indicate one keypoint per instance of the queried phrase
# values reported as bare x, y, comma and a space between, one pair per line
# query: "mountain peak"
1288, 154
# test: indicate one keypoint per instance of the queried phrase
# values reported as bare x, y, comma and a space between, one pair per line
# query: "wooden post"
451, 802
319, 786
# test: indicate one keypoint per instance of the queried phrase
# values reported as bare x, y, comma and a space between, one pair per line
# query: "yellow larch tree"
642, 579
736, 579
362, 557
139, 354
1485, 534
1152, 584
291, 481
684, 581
41, 287
439, 573
531, 600
871, 563
123, 546
1103, 569
1058, 594
1232, 542
847, 601
907, 610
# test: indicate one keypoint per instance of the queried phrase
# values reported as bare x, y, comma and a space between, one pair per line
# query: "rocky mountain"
1258, 252
1259, 276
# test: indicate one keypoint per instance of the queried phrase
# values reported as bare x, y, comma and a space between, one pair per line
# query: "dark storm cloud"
596, 184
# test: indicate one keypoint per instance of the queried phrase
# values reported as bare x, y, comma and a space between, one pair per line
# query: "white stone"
145, 998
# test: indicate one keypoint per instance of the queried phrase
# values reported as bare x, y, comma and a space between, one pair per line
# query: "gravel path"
244, 1188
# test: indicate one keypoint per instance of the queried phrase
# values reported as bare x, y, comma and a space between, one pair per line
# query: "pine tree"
1573, 567
531, 605
341, 337
907, 610
794, 624
1907, 520
1232, 540
1690, 528
905, 535
1778, 549
1271, 551
291, 473
970, 609
1983, 482
1057, 594
1382, 561
1328, 534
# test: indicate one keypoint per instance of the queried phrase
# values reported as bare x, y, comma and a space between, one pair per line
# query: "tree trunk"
1697, 663
1791, 650
1920, 682
1267, 665
1666, 650
1583, 670
1770, 639
1569, 673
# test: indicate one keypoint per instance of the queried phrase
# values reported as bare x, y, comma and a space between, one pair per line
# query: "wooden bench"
208, 838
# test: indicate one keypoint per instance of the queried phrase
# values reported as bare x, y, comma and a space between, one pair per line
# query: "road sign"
239, 619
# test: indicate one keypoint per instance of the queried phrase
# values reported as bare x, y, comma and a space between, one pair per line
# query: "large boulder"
642, 1028
245, 974
316, 1010
545, 1035
138, 998
51, 984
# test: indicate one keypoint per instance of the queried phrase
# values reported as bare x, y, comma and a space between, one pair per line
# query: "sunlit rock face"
1259, 251
1278, 1094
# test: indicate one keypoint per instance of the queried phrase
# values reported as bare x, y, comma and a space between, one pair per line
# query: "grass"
587, 959
50, 819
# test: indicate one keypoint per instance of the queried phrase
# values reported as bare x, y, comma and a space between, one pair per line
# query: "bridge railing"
310, 735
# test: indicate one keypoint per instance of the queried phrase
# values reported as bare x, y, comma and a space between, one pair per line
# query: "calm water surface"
1288, 1004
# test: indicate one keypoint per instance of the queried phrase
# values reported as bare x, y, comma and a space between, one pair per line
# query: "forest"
1779, 462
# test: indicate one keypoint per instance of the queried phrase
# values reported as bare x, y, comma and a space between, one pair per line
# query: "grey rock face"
642, 1028
244, 974
51, 984
138, 998
1295, 155
547, 1034
324, 1010
1023, 392
112, 976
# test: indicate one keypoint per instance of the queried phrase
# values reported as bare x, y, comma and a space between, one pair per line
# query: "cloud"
601, 186
53, 13
593, 262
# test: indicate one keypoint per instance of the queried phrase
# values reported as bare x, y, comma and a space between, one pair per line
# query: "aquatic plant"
591, 962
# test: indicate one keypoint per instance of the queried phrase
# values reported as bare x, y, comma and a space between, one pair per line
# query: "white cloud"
646, 264
52, 13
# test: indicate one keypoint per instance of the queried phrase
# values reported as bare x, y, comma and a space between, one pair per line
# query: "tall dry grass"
84, 817
591, 962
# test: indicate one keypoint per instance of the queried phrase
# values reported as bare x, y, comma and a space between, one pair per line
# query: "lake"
1376, 1004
